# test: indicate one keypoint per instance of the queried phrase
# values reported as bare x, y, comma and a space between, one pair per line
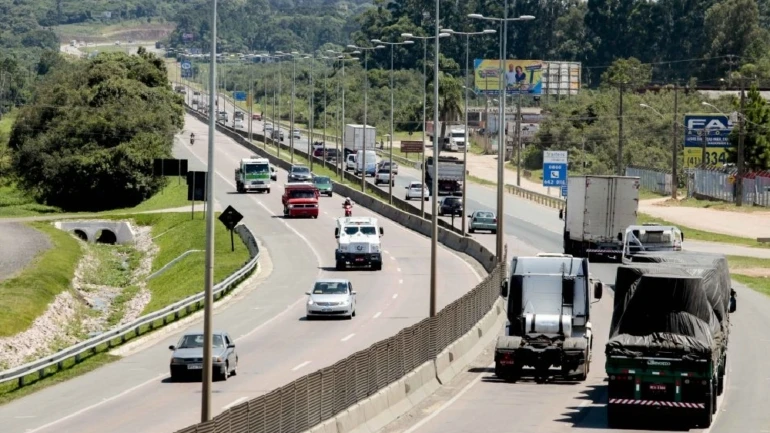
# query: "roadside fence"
652, 180
719, 184
36, 370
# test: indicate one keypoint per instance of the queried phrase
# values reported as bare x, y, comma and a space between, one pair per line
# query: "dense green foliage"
756, 135
88, 139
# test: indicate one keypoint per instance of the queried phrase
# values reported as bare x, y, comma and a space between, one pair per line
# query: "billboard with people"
519, 76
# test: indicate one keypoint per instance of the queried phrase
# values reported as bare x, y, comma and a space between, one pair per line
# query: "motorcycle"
348, 209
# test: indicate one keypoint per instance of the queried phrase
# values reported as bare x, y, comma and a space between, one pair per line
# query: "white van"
238, 123
371, 162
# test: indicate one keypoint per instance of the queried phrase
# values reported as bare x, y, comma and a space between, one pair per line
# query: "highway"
531, 228
274, 342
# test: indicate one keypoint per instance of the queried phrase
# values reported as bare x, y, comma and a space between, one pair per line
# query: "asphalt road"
274, 342
20, 244
489, 406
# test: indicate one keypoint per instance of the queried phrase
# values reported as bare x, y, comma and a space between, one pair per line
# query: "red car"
300, 199
256, 116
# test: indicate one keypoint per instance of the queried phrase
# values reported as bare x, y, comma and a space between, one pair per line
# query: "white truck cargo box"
354, 137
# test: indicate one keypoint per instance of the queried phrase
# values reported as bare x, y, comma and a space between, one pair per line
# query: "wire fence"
652, 180
319, 396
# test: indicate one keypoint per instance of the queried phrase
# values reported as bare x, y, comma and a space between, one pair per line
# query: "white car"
417, 190
331, 297
296, 134
383, 176
350, 162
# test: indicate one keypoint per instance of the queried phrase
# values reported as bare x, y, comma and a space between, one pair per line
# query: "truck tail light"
494, 220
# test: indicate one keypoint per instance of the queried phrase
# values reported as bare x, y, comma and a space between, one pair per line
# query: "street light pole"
208, 281
392, 129
250, 100
434, 201
341, 152
467, 143
501, 145
310, 113
291, 115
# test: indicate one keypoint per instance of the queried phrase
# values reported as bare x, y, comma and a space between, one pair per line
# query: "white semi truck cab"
650, 237
548, 333
358, 243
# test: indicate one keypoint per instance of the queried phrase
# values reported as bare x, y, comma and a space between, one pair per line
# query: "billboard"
520, 76
561, 78
715, 129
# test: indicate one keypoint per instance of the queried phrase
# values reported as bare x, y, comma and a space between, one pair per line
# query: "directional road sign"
230, 217
564, 191
555, 168
239, 96
186, 64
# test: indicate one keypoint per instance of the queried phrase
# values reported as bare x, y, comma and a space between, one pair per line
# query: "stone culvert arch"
108, 232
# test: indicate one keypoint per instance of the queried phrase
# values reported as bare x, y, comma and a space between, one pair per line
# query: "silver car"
187, 358
482, 220
332, 297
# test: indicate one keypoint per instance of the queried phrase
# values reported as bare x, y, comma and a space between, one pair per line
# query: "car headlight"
310, 302
291, 206
345, 302
177, 361
218, 359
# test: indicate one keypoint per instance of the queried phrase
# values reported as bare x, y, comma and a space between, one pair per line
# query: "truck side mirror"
337, 233
504, 289
561, 214
598, 290
382, 231
682, 236
620, 237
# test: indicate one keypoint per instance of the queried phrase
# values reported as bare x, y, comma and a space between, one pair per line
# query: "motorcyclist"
347, 202
192, 138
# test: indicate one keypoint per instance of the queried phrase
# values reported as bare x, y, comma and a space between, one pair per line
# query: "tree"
89, 140
629, 71
756, 139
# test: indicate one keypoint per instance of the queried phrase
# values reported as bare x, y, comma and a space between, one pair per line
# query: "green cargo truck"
253, 174
668, 338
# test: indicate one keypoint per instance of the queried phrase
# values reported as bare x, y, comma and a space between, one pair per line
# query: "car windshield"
644, 240
194, 341
301, 193
415, 186
449, 201
330, 288
321, 180
485, 215
300, 170
365, 230
256, 168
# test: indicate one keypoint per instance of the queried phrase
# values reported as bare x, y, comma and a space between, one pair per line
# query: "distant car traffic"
331, 297
451, 206
417, 190
482, 220
296, 134
383, 176
300, 173
187, 356
324, 185
256, 116
386, 164
273, 173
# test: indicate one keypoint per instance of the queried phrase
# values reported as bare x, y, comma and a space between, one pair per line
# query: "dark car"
451, 206
187, 358
300, 173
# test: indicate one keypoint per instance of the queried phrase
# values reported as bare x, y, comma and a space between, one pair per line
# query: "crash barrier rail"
719, 184
657, 181
48, 365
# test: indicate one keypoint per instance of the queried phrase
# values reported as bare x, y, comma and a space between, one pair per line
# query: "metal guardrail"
137, 327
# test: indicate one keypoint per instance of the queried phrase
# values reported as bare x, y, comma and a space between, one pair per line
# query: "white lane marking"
443, 407
95, 405
348, 337
395, 295
392, 258
400, 281
300, 366
379, 313
398, 269
229, 405
385, 251
270, 320
257, 308
585, 403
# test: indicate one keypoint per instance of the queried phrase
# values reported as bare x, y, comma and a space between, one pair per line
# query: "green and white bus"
253, 174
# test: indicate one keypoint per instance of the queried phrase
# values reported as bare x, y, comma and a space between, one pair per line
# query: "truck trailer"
549, 301
599, 209
450, 175
355, 139
667, 347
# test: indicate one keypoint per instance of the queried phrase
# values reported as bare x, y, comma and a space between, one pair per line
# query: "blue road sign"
555, 168
564, 191
717, 126
186, 64
239, 96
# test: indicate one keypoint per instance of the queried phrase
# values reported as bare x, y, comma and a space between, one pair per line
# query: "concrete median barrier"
352, 420
328, 426
397, 401
377, 411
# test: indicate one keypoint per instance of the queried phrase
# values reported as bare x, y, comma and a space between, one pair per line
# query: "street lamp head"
407, 42
489, 31
376, 41
444, 35
352, 46
407, 35
476, 16
295, 52
644, 105
527, 17
355, 52
450, 31
379, 46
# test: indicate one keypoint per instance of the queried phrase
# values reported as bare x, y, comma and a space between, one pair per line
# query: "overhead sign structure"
555, 168
239, 96
715, 129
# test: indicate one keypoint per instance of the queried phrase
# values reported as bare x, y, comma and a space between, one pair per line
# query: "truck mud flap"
576, 355
506, 366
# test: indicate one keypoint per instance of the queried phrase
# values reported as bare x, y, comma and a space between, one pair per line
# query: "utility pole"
518, 139
741, 160
674, 145
704, 150
620, 130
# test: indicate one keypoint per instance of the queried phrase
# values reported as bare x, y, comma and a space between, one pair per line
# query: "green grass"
119, 305
99, 31
176, 233
700, 235
105, 49
751, 271
113, 265
10, 391
17, 203
645, 194
172, 196
25, 297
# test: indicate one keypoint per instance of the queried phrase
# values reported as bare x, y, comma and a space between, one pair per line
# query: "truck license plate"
195, 366
657, 387
359, 259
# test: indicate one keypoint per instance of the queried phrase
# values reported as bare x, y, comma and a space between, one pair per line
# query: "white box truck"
354, 138
599, 209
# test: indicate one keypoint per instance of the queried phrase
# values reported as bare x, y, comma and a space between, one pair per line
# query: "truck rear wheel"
615, 417
340, 265
706, 415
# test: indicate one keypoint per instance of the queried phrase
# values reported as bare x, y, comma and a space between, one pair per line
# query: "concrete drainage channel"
387, 405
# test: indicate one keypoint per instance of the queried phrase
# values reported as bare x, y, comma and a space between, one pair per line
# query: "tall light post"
342, 59
208, 280
434, 198
501, 140
364, 50
277, 128
674, 149
392, 131
310, 112
467, 84
424, 100
294, 55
